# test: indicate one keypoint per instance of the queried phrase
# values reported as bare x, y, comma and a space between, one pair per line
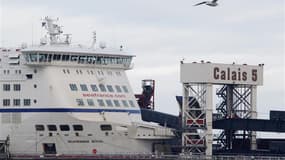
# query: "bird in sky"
212, 3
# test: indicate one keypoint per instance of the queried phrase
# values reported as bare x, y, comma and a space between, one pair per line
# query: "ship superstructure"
62, 99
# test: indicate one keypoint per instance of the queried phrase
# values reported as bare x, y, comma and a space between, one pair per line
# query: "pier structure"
238, 101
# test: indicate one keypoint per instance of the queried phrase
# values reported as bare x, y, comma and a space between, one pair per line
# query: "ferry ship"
61, 99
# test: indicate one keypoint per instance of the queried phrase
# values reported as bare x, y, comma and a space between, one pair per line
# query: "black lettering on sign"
244, 76
216, 75
254, 75
234, 75
239, 77
229, 73
223, 75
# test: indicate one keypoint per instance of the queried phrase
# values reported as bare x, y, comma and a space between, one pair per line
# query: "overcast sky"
162, 32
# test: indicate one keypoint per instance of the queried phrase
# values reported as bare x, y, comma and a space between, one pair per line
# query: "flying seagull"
212, 3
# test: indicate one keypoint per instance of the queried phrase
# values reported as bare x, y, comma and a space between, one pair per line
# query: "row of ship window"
79, 102
17, 102
107, 102
80, 59
102, 88
65, 127
110, 73
8, 87
8, 71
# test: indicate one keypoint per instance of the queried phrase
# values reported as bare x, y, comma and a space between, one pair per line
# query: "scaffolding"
237, 102
197, 119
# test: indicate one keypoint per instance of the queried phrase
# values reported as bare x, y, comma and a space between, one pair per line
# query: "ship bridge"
68, 56
55, 50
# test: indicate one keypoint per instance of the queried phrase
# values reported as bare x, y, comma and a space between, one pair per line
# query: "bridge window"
43, 57
56, 57
65, 57
82, 59
33, 57
49, 57
73, 58
77, 127
91, 59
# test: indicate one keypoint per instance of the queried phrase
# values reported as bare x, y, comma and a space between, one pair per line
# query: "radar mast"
53, 32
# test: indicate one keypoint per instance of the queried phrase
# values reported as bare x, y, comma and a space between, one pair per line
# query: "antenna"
67, 38
94, 40
33, 33
54, 31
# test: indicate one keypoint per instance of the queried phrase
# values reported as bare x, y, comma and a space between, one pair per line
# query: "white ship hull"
24, 139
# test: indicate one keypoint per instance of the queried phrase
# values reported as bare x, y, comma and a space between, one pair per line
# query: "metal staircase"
4, 149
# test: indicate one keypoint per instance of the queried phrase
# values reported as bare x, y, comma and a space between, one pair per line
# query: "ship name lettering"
78, 141
103, 95
97, 141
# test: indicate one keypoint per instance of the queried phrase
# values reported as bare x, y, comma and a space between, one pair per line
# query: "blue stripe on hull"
66, 110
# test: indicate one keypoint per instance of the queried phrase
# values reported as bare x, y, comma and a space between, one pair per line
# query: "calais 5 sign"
234, 75
215, 73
